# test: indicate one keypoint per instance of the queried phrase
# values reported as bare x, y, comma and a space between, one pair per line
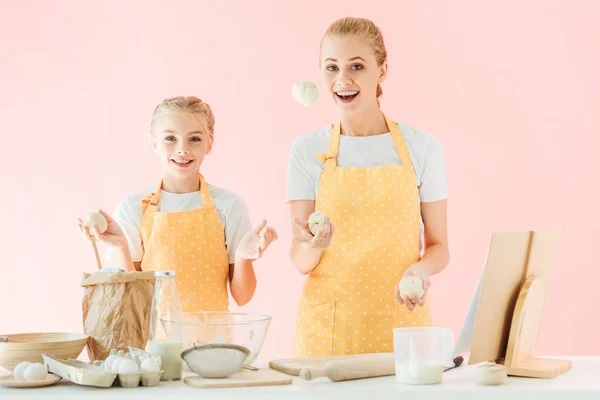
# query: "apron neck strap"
153, 198
205, 194
334, 143
399, 142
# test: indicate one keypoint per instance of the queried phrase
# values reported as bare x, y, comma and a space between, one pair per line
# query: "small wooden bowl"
30, 347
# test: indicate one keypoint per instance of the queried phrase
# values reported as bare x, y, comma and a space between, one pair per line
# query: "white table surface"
581, 382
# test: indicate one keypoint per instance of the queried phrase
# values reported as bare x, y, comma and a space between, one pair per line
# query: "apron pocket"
314, 330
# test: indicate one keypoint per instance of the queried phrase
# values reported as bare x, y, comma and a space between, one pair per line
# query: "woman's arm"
436, 255
307, 249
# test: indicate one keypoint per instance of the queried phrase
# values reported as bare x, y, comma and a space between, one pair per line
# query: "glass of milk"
165, 327
421, 354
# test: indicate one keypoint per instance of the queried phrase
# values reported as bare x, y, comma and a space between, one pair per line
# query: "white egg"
115, 364
316, 221
305, 92
35, 372
108, 362
411, 285
149, 365
98, 219
20, 370
128, 367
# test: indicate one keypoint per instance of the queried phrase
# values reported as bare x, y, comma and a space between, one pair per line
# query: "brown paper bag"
116, 311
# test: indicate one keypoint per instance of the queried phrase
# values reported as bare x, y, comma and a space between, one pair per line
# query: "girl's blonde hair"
365, 30
188, 104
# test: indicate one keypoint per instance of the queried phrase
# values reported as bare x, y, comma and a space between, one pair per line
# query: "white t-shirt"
232, 211
426, 152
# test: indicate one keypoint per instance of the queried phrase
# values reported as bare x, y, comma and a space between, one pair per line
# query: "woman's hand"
323, 238
412, 301
113, 236
254, 243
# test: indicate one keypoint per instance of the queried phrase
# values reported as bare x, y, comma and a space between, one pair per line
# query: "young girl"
380, 183
199, 230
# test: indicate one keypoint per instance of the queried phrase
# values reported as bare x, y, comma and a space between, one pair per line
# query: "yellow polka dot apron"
348, 301
192, 243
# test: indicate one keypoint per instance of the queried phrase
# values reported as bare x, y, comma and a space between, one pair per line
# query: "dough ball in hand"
305, 92
411, 285
98, 219
316, 221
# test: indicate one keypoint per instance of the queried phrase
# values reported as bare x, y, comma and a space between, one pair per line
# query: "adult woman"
382, 185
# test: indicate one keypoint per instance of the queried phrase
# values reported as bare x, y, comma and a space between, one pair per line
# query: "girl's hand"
412, 301
254, 243
321, 240
113, 236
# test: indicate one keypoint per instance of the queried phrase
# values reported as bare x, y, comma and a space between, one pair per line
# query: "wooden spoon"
96, 253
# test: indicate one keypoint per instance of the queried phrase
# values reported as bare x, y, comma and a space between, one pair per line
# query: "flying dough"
98, 219
410, 285
305, 92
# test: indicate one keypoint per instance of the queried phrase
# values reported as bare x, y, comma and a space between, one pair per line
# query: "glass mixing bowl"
247, 330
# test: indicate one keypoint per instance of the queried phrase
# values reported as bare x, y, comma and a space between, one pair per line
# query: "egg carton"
132, 379
94, 374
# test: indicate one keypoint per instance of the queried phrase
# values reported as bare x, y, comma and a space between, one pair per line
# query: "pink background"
511, 88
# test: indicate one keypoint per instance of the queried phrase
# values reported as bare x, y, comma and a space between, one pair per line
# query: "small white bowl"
215, 360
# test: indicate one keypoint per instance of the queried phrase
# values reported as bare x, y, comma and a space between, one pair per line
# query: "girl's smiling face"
181, 141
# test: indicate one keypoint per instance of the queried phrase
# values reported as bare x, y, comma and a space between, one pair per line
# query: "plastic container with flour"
422, 353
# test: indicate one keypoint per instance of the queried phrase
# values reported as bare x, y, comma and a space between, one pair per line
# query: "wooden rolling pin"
343, 370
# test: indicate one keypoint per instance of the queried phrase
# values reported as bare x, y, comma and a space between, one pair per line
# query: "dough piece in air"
305, 92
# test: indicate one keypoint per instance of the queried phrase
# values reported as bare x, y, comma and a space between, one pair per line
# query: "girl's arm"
115, 239
122, 259
242, 280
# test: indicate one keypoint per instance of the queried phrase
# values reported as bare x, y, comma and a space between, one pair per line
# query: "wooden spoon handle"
96, 253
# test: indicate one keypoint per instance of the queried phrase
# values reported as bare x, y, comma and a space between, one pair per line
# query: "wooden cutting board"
262, 377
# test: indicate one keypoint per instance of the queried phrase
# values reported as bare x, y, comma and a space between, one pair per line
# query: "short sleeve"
237, 225
434, 186
301, 184
130, 220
